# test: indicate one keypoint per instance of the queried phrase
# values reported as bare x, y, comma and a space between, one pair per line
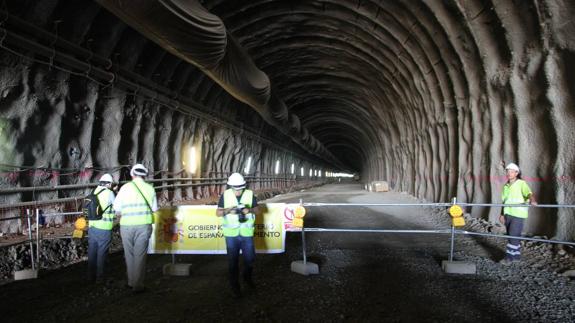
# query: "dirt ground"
364, 277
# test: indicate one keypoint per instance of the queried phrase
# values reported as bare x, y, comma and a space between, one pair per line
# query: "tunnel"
433, 97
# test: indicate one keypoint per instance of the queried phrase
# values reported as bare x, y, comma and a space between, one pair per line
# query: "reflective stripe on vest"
107, 221
232, 226
516, 193
134, 210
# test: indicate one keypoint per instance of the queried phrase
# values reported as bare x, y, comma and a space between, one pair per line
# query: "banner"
195, 229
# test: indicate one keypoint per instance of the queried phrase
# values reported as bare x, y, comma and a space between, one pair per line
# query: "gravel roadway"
364, 277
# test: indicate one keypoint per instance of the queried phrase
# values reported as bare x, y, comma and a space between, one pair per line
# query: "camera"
241, 215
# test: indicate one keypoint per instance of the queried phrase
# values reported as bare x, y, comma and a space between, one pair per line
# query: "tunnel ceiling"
361, 76
432, 96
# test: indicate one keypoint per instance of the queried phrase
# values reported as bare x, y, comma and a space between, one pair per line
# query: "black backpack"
91, 207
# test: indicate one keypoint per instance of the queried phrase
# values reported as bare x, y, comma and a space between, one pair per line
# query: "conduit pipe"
128, 80
190, 32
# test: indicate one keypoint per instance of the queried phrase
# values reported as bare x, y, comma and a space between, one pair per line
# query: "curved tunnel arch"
434, 96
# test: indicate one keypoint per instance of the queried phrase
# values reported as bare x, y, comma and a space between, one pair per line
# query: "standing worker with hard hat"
135, 204
515, 191
238, 206
100, 231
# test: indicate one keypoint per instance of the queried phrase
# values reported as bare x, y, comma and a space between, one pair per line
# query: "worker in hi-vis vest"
135, 205
515, 191
100, 231
238, 206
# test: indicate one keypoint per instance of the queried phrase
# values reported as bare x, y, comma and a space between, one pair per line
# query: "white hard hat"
237, 181
512, 166
106, 178
138, 170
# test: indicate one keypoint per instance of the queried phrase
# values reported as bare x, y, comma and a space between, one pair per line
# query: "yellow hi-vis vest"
232, 227
134, 210
107, 221
516, 193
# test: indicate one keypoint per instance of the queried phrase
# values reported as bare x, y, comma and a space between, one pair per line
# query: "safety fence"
453, 231
34, 218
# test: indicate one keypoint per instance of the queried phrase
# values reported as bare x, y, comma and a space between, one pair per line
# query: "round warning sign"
299, 212
455, 211
80, 223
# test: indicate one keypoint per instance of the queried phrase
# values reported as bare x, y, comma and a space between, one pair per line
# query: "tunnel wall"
60, 128
492, 83
433, 96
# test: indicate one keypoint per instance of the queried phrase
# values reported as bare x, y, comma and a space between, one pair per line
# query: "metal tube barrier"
440, 231
303, 240
504, 236
452, 244
30, 239
442, 204
38, 237
463, 267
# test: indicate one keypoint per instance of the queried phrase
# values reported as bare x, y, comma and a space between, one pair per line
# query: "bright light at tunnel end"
342, 175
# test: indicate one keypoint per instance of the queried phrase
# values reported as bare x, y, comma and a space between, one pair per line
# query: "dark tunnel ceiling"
351, 71
346, 80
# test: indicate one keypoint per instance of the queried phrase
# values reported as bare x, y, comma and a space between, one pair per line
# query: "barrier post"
450, 266
303, 267
38, 238
454, 202
173, 268
28, 273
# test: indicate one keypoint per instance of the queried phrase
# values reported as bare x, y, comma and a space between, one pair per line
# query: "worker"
238, 206
515, 191
100, 231
135, 205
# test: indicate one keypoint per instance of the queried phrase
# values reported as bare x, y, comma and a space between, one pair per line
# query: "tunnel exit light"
310, 172
277, 170
302, 171
319, 173
292, 168
342, 175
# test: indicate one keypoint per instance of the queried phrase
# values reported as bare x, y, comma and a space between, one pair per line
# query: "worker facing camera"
238, 206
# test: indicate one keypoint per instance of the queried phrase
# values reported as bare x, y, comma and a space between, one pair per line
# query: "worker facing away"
135, 205
515, 191
100, 231
238, 206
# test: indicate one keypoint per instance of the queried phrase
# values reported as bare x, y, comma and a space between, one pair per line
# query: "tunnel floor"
363, 277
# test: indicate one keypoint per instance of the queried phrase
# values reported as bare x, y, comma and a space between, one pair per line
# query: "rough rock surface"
432, 96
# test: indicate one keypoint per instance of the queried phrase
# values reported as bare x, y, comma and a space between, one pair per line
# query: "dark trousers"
514, 226
98, 245
233, 246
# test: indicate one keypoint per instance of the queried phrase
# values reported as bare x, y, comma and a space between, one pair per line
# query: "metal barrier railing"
30, 214
453, 231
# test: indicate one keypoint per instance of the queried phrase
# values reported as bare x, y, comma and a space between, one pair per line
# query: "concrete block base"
177, 269
458, 267
26, 274
309, 268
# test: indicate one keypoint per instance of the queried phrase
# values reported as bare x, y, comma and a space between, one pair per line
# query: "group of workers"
136, 203
134, 207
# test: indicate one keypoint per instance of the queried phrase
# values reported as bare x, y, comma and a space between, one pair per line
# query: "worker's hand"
502, 219
533, 202
246, 210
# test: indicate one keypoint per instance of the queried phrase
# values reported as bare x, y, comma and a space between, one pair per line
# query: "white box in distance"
380, 186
